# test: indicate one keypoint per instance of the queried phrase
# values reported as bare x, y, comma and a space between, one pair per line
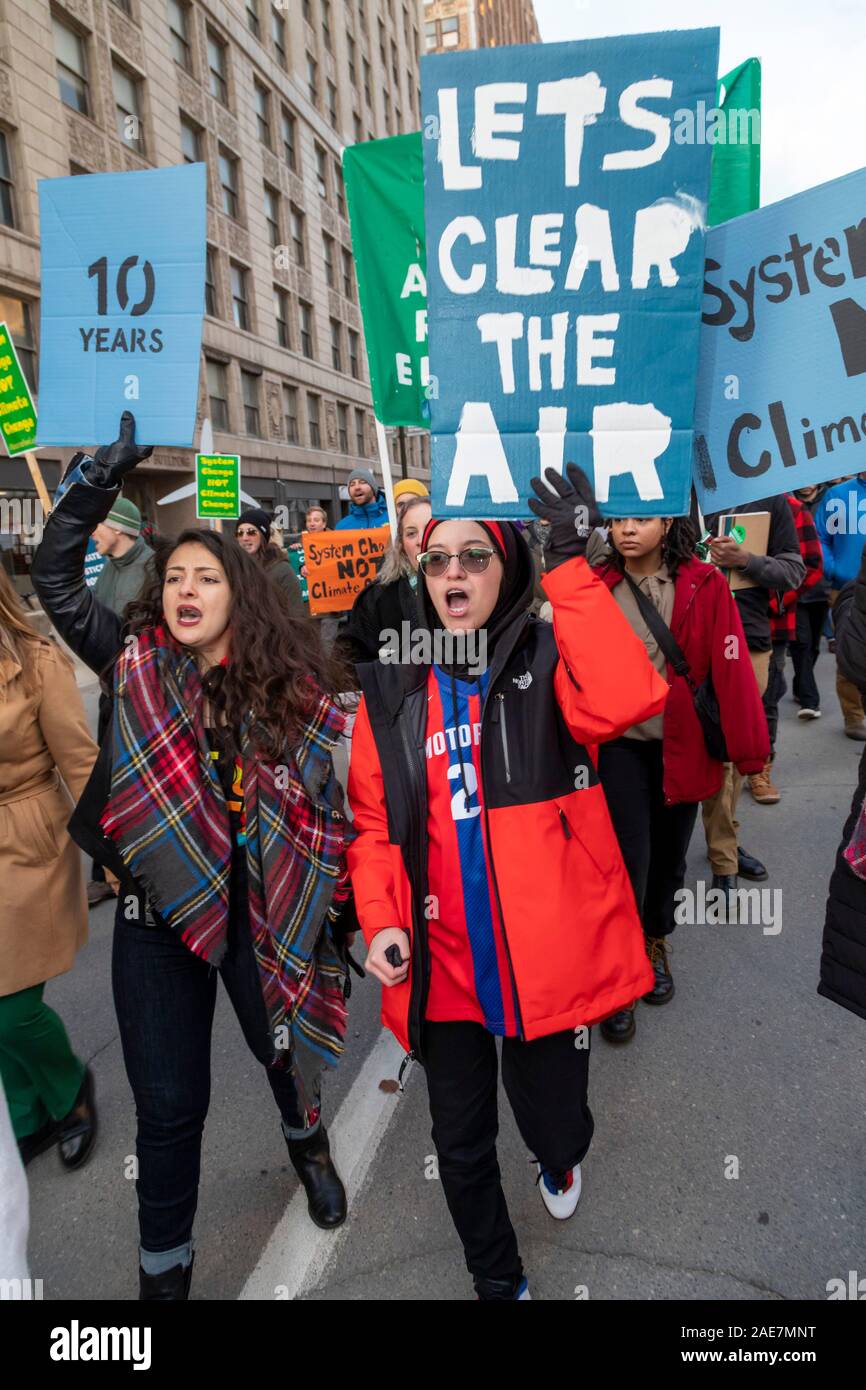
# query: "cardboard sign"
94, 564
565, 248
780, 399
123, 259
342, 563
17, 411
757, 528
218, 486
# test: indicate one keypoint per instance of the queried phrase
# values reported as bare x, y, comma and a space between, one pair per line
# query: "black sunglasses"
474, 559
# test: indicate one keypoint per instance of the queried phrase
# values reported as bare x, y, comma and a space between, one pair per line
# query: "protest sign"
783, 347
296, 560
342, 563
565, 247
94, 563
218, 486
122, 303
385, 194
735, 183
17, 411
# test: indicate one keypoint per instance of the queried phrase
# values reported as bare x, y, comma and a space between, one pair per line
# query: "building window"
123, 5
358, 128
352, 51
217, 68
210, 292
333, 114
450, 32
354, 363
307, 11
71, 67
343, 427
250, 392
305, 320
217, 392
336, 345
387, 102
360, 446
7, 204
313, 79
290, 414
328, 251
313, 403
190, 141
322, 171
127, 107
382, 53
431, 39
348, 274
228, 167
326, 25
261, 101
281, 314
240, 303
341, 192
394, 68
297, 220
290, 140
272, 214
278, 36
368, 94
255, 28
178, 28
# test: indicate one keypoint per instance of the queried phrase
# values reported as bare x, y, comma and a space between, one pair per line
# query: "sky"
813, 55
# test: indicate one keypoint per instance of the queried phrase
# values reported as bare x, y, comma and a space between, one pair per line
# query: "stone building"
478, 24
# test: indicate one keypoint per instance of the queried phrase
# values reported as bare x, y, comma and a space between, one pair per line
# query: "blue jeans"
165, 997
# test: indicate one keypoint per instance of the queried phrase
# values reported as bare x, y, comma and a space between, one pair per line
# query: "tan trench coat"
43, 905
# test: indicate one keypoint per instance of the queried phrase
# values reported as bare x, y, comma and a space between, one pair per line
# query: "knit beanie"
124, 516
409, 487
366, 477
254, 516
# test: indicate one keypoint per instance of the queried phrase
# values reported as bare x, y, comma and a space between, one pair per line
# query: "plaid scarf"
167, 815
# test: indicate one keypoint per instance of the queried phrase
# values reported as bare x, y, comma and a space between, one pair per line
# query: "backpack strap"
660, 631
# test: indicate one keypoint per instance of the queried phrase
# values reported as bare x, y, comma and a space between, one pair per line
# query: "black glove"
112, 462
570, 509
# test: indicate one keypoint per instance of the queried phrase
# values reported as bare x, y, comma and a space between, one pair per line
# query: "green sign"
735, 183
17, 411
296, 560
218, 486
385, 193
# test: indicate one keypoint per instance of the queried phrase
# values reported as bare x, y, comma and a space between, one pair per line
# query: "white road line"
298, 1253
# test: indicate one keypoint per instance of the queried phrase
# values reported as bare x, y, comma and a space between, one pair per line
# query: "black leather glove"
571, 510
112, 462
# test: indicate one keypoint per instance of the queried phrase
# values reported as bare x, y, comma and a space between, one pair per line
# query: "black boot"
662, 991
499, 1290
172, 1286
620, 1027
36, 1143
326, 1195
76, 1132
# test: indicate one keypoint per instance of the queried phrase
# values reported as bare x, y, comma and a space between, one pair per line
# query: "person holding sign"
367, 506
214, 802
253, 533
489, 884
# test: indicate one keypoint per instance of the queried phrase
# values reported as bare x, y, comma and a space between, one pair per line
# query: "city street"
729, 1152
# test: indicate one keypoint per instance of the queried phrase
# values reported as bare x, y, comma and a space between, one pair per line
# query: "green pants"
41, 1074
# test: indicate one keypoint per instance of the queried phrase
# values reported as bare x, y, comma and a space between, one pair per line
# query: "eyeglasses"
245, 532
474, 560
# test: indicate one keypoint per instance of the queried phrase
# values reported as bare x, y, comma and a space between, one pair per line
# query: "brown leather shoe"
98, 892
762, 788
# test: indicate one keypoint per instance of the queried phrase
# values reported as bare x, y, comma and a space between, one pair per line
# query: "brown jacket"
43, 919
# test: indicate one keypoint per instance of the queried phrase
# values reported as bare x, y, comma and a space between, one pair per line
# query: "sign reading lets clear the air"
565, 254
123, 259
782, 383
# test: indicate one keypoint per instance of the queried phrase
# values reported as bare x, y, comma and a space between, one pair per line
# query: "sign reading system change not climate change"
342, 563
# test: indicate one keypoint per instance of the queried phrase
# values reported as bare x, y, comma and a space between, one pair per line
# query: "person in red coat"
657, 772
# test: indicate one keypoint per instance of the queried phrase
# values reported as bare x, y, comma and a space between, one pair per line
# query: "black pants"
776, 687
546, 1084
804, 652
165, 997
653, 838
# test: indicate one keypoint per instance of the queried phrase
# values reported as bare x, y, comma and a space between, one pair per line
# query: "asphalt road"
730, 1146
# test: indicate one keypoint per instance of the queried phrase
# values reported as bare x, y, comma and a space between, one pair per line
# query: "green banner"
17, 411
385, 193
735, 185
218, 486
296, 560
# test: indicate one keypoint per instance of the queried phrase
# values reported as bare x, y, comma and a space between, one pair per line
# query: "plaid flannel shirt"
783, 606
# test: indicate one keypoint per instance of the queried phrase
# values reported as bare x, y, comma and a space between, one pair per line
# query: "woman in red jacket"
657, 772
487, 876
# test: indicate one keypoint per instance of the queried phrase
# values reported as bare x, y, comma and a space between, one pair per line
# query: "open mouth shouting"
457, 601
188, 615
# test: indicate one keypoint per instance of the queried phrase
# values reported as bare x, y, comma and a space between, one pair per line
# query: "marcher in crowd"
316, 519
781, 568
367, 506
813, 606
390, 600
657, 772
405, 490
489, 884
837, 521
253, 531
46, 757
214, 802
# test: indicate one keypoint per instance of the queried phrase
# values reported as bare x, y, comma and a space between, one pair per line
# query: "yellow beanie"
409, 487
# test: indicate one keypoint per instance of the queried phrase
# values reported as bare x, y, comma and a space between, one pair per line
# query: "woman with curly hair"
656, 773
214, 802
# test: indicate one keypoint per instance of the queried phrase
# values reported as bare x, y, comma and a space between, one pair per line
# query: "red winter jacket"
709, 632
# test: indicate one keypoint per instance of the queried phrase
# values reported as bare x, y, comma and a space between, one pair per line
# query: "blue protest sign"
565, 246
123, 259
94, 563
783, 347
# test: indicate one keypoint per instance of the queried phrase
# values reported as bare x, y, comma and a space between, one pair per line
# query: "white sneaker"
809, 714
560, 1201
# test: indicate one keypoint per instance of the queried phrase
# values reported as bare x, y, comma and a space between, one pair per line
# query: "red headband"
492, 526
